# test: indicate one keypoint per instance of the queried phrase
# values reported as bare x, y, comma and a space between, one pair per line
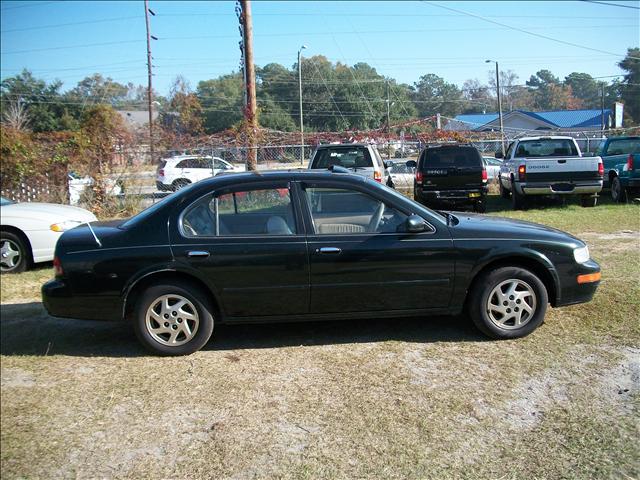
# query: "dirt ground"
407, 398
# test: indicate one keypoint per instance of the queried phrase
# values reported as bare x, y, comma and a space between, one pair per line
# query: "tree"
187, 106
508, 89
585, 88
42, 101
15, 115
631, 84
97, 89
432, 94
478, 99
222, 101
550, 94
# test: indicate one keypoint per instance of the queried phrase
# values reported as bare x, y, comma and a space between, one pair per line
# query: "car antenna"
94, 234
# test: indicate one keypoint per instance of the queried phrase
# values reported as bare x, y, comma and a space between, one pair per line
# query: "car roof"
300, 174
333, 145
547, 137
186, 157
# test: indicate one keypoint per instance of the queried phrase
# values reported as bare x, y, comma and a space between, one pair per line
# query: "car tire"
518, 201
179, 184
390, 184
618, 192
480, 206
492, 290
504, 193
158, 323
15, 255
588, 201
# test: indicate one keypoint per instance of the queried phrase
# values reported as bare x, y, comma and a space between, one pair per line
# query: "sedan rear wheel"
13, 254
173, 319
508, 302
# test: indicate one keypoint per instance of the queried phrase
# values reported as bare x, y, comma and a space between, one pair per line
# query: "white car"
78, 184
401, 176
29, 231
177, 172
492, 166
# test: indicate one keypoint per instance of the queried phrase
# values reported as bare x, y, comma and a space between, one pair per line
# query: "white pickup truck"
549, 166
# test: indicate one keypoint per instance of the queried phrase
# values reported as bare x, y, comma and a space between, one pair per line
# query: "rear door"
451, 168
249, 244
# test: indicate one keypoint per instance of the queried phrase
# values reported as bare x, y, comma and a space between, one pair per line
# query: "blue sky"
69, 40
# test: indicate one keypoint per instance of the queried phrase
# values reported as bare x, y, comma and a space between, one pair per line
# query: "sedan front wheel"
509, 302
13, 254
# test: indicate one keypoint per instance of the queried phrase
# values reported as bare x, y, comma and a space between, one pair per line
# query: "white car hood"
48, 212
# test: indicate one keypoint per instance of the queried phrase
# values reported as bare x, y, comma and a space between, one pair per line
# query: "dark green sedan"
310, 245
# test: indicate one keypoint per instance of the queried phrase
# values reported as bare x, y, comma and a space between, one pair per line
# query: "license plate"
474, 195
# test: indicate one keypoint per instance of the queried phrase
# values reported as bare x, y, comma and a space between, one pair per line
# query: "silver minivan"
361, 158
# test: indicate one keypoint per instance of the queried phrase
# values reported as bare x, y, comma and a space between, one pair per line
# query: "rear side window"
546, 148
451, 157
347, 157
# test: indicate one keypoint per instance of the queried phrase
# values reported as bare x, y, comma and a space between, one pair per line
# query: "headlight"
64, 226
581, 254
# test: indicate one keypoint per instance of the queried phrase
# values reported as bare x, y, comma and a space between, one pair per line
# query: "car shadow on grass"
27, 329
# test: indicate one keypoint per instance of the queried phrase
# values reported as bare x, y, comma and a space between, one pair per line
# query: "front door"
361, 260
248, 243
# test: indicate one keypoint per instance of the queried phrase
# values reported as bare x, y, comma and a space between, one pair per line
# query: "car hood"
48, 212
500, 228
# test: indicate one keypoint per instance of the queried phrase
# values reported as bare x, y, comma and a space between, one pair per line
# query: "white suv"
361, 158
177, 172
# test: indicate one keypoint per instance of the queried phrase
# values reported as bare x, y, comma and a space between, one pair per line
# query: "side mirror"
411, 164
388, 164
499, 155
415, 224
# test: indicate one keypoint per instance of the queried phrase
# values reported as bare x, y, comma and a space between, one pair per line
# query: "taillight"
601, 169
630, 162
418, 176
484, 175
57, 267
161, 172
522, 171
377, 176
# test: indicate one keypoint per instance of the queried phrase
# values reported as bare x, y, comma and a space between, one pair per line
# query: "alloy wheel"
10, 255
172, 320
511, 304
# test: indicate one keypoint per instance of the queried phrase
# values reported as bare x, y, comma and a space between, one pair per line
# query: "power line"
611, 4
28, 4
87, 22
462, 12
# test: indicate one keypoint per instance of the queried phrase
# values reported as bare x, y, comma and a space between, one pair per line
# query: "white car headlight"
64, 226
581, 254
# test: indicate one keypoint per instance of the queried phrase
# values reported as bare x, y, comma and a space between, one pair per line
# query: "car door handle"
329, 250
198, 253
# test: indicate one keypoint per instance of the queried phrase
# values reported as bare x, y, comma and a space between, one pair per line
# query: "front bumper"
59, 301
573, 292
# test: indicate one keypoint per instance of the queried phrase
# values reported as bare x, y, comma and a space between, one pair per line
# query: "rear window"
451, 157
546, 148
347, 157
624, 146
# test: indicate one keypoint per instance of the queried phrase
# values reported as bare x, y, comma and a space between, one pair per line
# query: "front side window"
336, 211
265, 211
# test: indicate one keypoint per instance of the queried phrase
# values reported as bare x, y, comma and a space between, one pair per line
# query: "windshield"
347, 157
5, 201
547, 147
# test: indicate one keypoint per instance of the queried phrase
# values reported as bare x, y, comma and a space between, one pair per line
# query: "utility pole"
300, 89
602, 109
388, 124
149, 69
250, 113
499, 105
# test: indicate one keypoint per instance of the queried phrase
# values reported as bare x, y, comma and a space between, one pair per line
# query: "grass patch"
402, 398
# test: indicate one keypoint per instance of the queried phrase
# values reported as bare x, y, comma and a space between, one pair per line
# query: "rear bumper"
630, 182
560, 188
59, 301
465, 195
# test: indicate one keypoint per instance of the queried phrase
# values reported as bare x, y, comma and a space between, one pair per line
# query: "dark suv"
452, 174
